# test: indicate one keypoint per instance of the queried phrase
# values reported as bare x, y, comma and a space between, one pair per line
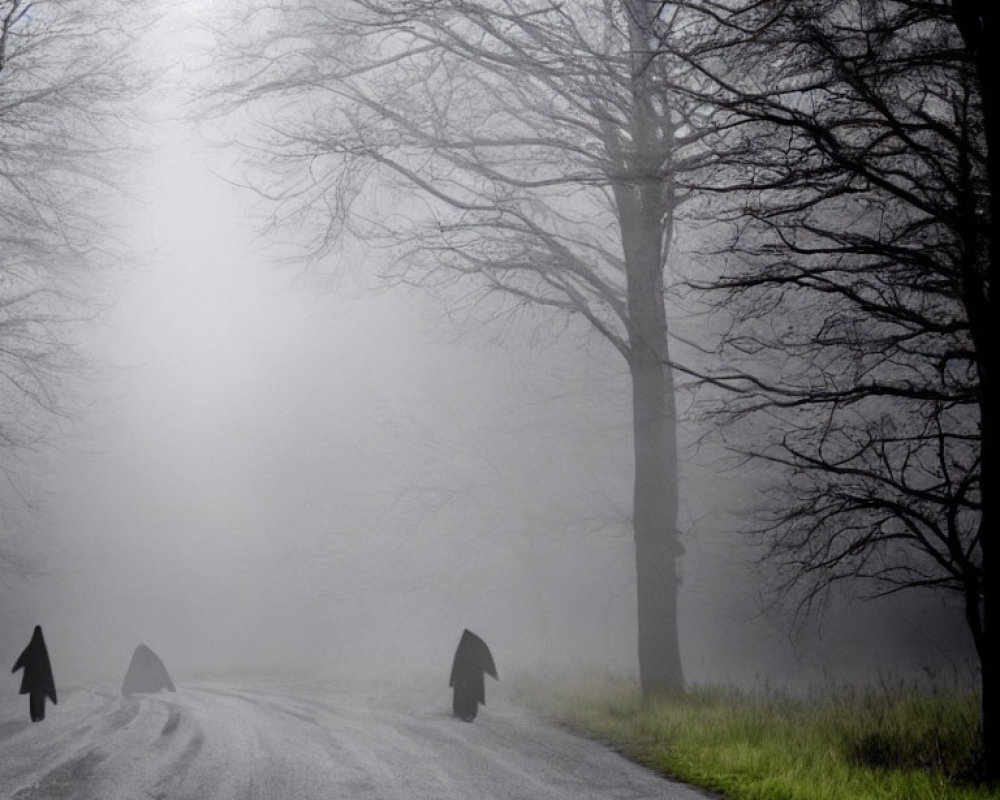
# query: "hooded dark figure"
146, 673
37, 681
472, 660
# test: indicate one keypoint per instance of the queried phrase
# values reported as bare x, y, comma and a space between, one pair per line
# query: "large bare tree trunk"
989, 403
654, 425
983, 324
646, 204
989, 662
655, 524
978, 23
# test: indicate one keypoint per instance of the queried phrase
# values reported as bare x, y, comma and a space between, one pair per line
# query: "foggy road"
219, 740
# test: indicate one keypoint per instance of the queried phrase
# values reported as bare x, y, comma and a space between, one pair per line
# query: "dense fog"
289, 469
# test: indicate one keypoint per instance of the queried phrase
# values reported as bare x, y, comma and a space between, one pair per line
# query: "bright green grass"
844, 745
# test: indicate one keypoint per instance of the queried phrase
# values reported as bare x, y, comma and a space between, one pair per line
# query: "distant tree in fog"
529, 152
64, 71
861, 280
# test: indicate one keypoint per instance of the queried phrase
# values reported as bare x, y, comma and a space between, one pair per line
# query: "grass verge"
846, 744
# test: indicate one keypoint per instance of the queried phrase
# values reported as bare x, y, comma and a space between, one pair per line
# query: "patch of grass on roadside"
847, 744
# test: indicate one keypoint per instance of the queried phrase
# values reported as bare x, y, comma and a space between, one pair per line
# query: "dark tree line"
860, 174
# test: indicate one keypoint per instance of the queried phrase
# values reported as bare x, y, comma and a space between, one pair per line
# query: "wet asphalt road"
252, 740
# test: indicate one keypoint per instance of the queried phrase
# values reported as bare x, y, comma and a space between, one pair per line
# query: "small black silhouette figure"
37, 681
146, 674
472, 659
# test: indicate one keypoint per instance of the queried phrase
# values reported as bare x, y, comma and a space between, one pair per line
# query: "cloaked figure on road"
146, 673
37, 681
472, 660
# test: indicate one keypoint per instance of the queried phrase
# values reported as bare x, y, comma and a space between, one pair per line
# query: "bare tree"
860, 280
64, 73
531, 152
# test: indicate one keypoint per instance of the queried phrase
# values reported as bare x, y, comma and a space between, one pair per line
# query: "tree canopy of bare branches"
65, 71
864, 160
531, 152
